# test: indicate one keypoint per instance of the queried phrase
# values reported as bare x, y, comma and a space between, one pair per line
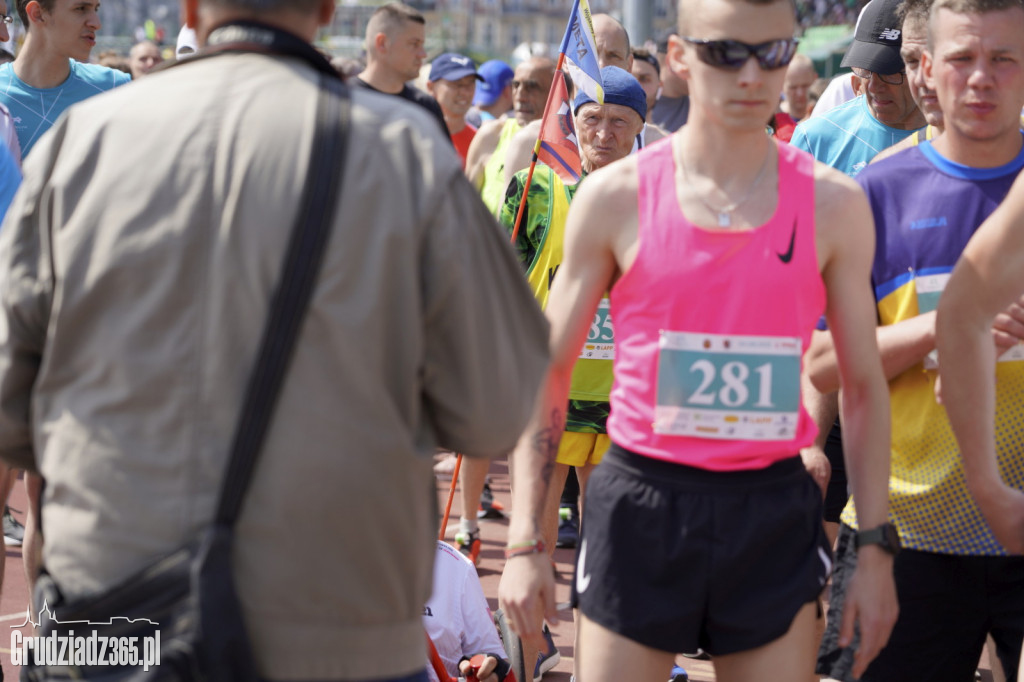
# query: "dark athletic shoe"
568, 527
14, 531
489, 507
546, 660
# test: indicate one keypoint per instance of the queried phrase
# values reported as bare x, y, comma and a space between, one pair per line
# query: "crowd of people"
764, 342
825, 12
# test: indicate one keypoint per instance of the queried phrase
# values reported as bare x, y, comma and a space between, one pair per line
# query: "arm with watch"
884, 536
846, 245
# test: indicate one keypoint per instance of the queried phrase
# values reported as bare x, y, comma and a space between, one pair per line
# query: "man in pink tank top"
721, 249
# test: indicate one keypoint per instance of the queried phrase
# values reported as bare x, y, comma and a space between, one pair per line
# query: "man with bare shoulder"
612, 43
747, 242
485, 167
955, 582
988, 278
485, 162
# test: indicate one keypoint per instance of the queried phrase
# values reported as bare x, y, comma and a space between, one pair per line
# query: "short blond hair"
968, 7
388, 18
683, 13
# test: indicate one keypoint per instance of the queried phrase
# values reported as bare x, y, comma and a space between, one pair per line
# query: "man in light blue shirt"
848, 136
10, 180
47, 77
49, 73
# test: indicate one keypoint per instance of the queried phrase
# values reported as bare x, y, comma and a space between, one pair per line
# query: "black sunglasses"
732, 54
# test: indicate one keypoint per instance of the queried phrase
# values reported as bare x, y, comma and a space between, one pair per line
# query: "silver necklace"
725, 214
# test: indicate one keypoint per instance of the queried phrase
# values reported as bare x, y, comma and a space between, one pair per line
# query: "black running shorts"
948, 603
678, 558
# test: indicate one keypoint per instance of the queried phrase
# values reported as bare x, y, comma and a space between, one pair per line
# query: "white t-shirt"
641, 140
839, 90
457, 617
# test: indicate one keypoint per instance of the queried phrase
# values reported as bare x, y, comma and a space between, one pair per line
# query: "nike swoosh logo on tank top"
788, 256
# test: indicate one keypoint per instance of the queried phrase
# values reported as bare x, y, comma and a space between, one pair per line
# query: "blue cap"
451, 67
495, 75
620, 87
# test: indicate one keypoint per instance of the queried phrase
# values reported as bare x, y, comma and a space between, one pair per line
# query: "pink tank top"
711, 326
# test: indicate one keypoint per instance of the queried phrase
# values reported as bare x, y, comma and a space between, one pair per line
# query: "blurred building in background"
486, 28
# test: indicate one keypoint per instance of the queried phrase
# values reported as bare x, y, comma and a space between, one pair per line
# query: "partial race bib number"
600, 343
728, 387
929, 288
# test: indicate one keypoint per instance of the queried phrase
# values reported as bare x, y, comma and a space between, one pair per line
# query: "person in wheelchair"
459, 622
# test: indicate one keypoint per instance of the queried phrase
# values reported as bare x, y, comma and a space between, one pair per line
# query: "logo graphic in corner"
788, 256
582, 579
85, 649
889, 34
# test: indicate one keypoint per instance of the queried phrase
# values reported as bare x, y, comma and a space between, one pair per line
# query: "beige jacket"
136, 266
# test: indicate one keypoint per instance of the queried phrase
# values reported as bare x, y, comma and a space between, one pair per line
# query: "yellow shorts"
577, 449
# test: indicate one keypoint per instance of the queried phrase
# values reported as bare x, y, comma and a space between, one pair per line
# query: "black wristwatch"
885, 536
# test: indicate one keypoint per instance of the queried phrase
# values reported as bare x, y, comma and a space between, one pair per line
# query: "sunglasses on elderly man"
732, 54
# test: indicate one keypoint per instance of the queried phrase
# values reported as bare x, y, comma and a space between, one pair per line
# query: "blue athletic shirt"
34, 110
926, 209
846, 137
10, 179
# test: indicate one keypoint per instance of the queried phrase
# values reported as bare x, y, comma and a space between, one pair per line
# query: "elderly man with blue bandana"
605, 133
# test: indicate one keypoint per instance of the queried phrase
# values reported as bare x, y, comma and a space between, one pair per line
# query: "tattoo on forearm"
545, 442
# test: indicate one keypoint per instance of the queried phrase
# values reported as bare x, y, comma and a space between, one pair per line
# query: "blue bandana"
619, 88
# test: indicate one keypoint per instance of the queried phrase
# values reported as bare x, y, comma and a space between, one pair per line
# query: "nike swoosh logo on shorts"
826, 561
788, 256
582, 581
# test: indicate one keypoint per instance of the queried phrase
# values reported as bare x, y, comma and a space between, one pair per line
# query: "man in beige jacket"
135, 273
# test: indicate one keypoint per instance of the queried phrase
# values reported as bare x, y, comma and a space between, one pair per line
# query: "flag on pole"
579, 46
558, 146
557, 140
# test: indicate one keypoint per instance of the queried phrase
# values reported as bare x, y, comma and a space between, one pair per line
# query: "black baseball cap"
877, 40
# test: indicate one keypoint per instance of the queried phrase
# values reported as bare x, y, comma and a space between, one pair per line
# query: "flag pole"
518, 219
573, 15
